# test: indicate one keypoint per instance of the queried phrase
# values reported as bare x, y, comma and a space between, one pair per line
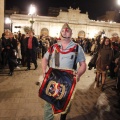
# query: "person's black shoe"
27, 69
35, 67
10, 73
63, 116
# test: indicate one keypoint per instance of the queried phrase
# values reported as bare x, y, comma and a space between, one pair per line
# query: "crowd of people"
15, 51
105, 58
19, 49
106, 61
23, 49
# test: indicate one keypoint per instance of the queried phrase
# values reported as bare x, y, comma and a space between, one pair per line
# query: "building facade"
80, 23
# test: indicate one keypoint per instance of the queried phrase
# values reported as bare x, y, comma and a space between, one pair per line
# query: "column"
1, 17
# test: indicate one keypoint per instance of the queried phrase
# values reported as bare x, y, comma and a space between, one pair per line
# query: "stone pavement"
19, 97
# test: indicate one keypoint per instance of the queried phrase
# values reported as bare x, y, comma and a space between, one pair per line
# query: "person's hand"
2, 49
77, 77
44, 74
116, 60
107, 67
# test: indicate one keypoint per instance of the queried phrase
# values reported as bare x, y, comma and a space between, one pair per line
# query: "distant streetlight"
8, 22
118, 1
32, 12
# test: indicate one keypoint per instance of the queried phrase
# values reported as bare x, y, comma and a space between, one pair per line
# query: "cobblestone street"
19, 97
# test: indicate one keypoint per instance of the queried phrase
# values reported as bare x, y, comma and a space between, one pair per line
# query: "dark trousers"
31, 55
4, 58
11, 66
12, 63
112, 73
0, 59
118, 84
24, 59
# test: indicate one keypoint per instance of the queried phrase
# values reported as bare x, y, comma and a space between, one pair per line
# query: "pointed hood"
66, 26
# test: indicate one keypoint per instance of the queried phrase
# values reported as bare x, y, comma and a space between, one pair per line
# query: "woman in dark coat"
105, 56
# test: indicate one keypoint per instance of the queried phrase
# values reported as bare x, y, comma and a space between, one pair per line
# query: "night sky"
94, 8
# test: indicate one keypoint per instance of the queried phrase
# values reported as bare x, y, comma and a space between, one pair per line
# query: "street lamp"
118, 1
32, 12
8, 22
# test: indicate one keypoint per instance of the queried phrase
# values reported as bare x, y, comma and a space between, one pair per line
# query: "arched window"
44, 32
81, 34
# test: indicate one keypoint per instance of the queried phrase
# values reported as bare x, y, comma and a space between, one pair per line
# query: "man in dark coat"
31, 45
5, 38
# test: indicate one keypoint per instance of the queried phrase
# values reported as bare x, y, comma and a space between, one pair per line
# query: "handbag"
13, 61
92, 62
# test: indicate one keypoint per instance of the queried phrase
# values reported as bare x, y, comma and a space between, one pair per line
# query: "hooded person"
62, 57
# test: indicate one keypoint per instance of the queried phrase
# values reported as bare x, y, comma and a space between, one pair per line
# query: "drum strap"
76, 53
57, 62
51, 48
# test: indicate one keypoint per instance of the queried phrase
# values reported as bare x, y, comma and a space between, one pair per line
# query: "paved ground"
19, 97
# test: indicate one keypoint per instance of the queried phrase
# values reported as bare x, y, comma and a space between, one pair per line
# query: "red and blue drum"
57, 88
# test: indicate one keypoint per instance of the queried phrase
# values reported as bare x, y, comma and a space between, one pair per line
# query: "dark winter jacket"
34, 43
105, 57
